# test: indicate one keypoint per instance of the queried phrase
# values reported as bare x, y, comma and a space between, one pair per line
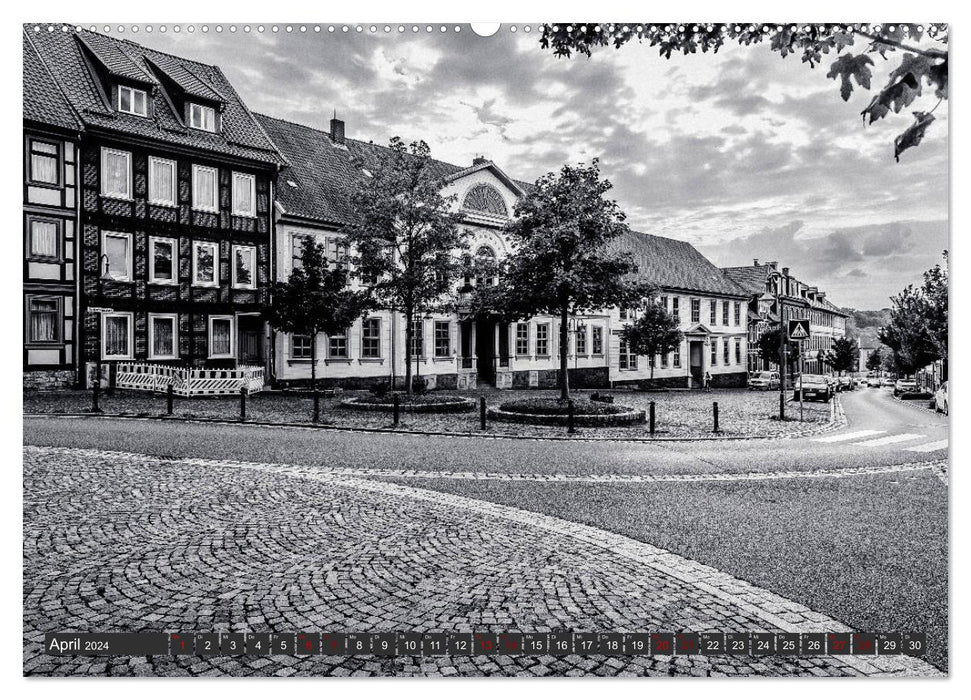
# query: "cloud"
742, 153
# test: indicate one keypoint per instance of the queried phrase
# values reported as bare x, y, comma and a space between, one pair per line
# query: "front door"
485, 350
250, 340
697, 361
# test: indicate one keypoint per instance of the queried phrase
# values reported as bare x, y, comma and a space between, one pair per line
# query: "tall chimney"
773, 264
336, 129
479, 160
755, 262
785, 271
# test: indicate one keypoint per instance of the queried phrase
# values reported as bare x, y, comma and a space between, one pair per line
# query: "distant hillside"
864, 324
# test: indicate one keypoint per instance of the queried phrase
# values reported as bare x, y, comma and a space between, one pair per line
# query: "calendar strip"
431, 644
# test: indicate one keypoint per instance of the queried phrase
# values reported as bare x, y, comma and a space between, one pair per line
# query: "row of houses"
158, 208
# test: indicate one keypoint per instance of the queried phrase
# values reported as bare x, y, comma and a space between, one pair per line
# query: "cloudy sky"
744, 154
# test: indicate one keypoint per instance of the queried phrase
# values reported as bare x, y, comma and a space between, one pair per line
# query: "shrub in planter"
380, 388
554, 407
602, 398
419, 385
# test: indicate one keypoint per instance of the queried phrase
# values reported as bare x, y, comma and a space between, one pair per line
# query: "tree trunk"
409, 332
564, 347
313, 375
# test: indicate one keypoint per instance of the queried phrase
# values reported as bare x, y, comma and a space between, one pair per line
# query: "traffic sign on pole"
798, 328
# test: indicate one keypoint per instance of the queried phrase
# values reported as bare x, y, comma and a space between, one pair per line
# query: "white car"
764, 380
940, 399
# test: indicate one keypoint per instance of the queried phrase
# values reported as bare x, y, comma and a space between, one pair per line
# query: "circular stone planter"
449, 405
617, 416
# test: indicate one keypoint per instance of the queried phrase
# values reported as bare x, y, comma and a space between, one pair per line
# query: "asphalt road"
879, 431
869, 549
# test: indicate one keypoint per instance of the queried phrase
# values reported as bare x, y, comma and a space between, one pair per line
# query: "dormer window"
201, 117
132, 101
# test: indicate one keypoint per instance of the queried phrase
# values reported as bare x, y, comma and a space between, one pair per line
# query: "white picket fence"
188, 381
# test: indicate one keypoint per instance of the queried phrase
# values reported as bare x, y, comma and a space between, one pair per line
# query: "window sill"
120, 197
117, 281
44, 344
371, 360
205, 211
338, 361
170, 205
163, 357
46, 185
114, 357
222, 357
247, 288
206, 285
49, 261
164, 283
244, 216
444, 358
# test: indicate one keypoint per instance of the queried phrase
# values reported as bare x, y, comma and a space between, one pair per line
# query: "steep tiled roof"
44, 103
751, 278
673, 264
64, 54
322, 173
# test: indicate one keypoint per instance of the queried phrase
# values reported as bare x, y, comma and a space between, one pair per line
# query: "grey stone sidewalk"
133, 543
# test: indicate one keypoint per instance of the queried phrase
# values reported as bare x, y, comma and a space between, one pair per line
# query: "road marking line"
889, 440
849, 436
929, 447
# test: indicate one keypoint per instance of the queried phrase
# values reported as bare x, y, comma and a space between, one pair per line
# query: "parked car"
886, 381
904, 386
764, 380
815, 387
845, 383
940, 399
873, 382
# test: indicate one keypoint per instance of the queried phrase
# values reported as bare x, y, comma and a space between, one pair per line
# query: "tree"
768, 347
843, 356
654, 332
562, 261
874, 361
919, 62
405, 235
906, 335
934, 291
315, 299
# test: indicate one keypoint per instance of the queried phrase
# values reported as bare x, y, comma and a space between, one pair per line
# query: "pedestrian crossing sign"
798, 328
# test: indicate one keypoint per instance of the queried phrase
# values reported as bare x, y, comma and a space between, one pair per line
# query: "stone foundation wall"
49, 379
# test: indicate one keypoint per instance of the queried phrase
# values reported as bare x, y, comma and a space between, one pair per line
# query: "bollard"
482, 413
397, 409
569, 417
651, 415
96, 396
316, 405
169, 399
714, 408
242, 403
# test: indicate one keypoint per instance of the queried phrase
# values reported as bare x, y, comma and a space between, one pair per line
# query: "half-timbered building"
175, 193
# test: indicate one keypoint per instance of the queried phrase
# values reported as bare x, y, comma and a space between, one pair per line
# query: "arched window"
484, 198
485, 266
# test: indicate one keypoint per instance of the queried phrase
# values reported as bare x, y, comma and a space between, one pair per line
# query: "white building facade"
462, 351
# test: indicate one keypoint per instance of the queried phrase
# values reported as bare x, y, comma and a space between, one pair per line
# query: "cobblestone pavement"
680, 414
117, 542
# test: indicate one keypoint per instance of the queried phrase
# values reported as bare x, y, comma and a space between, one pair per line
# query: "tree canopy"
315, 298
562, 261
919, 52
917, 332
654, 331
843, 356
404, 235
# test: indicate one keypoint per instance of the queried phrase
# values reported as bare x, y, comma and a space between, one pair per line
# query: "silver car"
764, 380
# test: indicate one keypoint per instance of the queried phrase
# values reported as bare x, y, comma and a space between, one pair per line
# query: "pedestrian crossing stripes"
929, 447
849, 436
890, 440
